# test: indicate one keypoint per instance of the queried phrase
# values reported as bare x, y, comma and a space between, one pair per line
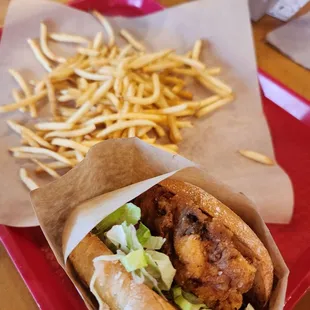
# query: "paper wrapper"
113, 173
213, 142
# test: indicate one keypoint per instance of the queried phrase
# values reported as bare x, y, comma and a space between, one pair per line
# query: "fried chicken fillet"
212, 249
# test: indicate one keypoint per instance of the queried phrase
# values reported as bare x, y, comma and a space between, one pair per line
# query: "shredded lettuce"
161, 264
186, 301
143, 233
136, 248
154, 243
117, 237
147, 240
134, 260
128, 212
152, 267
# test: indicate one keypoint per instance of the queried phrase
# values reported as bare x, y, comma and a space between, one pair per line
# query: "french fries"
258, 157
106, 91
23, 174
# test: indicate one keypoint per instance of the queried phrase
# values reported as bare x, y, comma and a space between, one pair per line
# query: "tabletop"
13, 292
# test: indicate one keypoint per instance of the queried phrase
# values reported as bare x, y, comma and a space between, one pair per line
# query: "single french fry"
161, 66
23, 103
67, 153
46, 168
184, 124
212, 107
23, 174
53, 126
136, 109
214, 70
215, 81
88, 51
70, 144
185, 71
105, 23
91, 143
28, 140
22, 155
175, 135
208, 84
98, 41
125, 51
147, 59
79, 156
18, 97
131, 40
39, 55
197, 50
25, 88
44, 46
113, 53
185, 94
68, 38
51, 97
38, 150
71, 134
123, 125
170, 110
82, 84
187, 61
258, 157
92, 76
56, 165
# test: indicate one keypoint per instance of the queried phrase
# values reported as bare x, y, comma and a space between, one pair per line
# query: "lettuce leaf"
128, 213
153, 267
147, 240
185, 301
160, 264
134, 260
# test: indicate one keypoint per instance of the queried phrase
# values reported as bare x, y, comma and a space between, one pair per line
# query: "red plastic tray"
287, 114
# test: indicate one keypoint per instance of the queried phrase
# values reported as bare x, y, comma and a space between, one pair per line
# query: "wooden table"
13, 292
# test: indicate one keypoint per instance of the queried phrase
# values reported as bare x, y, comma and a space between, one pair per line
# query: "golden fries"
39, 55
70, 144
131, 40
106, 91
216, 105
38, 150
67, 38
23, 174
44, 46
46, 168
23, 103
197, 49
106, 26
258, 157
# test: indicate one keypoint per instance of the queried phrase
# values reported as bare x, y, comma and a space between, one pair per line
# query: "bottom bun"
114, 285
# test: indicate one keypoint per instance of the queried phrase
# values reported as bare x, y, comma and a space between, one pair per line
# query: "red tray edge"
10, 240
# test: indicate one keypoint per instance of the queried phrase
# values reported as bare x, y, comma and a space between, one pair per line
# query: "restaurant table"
13, 292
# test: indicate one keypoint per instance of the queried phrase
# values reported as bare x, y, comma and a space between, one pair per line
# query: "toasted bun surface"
114, 284
244, 234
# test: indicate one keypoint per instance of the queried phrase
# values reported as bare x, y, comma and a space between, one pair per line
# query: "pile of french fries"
105, 92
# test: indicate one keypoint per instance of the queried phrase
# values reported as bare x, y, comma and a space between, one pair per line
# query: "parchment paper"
213, 142
70, 207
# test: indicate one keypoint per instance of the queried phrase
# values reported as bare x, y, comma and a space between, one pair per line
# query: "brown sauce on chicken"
208, 259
